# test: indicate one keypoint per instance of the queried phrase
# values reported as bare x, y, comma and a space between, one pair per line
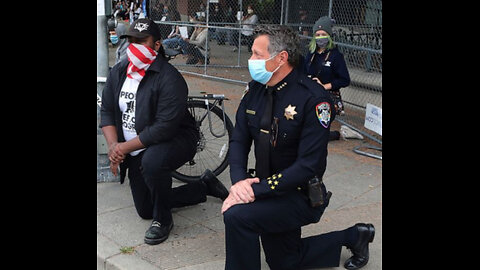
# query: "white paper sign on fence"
373, 118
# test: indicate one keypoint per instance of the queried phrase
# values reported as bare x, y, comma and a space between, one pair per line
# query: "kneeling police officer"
287, 116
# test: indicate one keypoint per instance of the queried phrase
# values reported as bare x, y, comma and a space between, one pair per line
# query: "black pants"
151, 181
277, 221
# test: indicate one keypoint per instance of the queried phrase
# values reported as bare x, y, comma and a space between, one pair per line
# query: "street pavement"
197, 240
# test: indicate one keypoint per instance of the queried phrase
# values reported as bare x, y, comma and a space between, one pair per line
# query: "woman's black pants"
150, 178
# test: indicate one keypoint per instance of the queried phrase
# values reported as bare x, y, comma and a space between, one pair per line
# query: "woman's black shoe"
366, 233
157, 233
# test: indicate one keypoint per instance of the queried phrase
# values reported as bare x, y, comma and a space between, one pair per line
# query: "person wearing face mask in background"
156, 12
137, 11
326, 65
150, 132
195, 45
175, 41
287, 116
223, 34
216, 16
167, 15
248, 23
122, 45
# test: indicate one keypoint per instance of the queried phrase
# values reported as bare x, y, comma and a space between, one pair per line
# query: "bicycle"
213, 145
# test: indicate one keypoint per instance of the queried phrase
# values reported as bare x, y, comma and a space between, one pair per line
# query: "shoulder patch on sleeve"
324, 113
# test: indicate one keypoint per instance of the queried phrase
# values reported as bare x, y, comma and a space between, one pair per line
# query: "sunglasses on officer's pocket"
274, 132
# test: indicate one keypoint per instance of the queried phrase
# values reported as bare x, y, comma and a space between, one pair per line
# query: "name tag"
250, 112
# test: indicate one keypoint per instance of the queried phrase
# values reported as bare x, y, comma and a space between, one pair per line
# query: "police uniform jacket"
303, 109
329, 67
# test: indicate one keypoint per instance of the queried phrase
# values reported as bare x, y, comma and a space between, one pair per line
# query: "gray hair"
281, 38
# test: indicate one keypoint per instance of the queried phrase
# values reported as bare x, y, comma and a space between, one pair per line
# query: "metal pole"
286, 12
206, 42
103, 168
281, 12
240, 3
330, 9
102, 43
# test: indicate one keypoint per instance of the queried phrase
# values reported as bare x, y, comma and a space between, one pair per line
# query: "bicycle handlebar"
211, 96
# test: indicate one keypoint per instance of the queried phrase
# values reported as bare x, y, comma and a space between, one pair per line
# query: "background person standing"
326, 65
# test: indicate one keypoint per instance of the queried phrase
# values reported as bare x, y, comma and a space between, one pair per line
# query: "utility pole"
103, 164
102, 42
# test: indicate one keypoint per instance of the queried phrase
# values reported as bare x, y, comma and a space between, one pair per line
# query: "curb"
109, 257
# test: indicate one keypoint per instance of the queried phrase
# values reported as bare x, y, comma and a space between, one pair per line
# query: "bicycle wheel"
212, 152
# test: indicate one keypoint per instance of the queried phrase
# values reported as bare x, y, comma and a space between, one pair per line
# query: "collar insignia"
281, 86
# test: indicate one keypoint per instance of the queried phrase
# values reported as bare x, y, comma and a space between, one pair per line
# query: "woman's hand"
114, 168
326, 86
115, 153
318, 81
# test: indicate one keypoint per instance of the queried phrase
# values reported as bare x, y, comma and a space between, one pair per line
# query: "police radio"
315, 193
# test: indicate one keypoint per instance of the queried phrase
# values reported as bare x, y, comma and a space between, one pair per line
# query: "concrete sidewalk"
197, 239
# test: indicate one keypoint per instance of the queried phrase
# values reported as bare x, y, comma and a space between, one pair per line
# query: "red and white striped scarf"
140, 57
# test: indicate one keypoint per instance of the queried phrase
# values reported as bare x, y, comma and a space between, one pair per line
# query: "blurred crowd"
191, 40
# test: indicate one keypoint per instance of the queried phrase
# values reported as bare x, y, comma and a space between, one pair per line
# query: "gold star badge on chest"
290, 112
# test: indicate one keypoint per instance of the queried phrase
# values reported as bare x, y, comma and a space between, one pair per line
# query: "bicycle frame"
218, 100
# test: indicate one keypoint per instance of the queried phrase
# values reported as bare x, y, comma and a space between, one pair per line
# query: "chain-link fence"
224, 54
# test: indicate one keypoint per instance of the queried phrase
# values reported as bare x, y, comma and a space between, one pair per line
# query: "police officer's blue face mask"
258, 70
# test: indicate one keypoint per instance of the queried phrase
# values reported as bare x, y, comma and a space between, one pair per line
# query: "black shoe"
366, 232
215, 188
157, 233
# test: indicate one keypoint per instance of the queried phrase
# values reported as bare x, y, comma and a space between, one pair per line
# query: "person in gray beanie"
326, 65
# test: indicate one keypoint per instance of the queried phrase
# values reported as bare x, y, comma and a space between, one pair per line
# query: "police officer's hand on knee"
229, 202
240, 192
